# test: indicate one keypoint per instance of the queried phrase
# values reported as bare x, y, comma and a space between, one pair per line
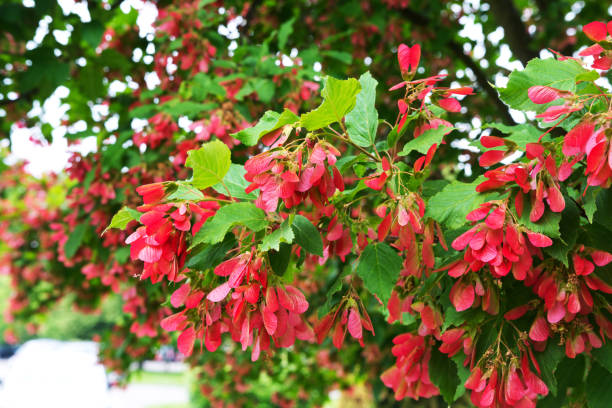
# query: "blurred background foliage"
62, 321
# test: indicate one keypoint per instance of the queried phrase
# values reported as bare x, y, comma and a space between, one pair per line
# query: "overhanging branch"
249, 17
515, 32
457, 50
482, 80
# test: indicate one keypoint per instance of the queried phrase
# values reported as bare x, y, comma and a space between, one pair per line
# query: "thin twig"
347, 140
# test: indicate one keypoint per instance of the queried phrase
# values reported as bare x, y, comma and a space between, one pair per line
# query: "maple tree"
264, 215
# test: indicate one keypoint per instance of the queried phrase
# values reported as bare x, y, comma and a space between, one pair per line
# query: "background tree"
207, 71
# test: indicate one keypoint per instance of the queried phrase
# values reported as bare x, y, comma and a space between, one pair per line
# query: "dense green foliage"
258, 188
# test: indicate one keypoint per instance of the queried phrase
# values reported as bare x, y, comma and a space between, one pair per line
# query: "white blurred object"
55, 374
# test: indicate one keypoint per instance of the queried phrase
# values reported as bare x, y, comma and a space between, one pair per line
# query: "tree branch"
21, 97
542, 5
481, 78
515, 32
249, 17
457, 49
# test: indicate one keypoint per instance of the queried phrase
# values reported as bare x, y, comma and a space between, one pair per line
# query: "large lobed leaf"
339, 97
235, 182
548, 72
122, 218
599, 392
443, 373
569, 225
211, 255
422, 143
603, 355
75, 239
306, 235
549, 360
269, 122
210, 163
455, 201
184, 191
228, 216
547, 225
284, 234
362, 121
379, 267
